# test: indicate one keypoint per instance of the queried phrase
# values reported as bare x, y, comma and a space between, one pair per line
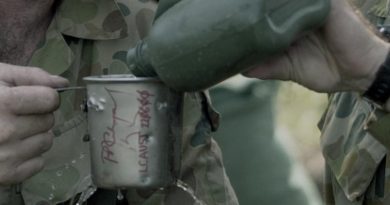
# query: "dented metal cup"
134, 141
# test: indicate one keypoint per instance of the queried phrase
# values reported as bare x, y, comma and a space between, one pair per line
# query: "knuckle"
48, 121
6, 157
46, 143
8, 98
7, 131
38, 165
53, 99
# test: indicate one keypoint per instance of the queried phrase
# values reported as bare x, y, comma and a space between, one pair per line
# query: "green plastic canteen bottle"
195, 44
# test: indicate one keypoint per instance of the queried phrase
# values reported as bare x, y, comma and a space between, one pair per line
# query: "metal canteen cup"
134, 131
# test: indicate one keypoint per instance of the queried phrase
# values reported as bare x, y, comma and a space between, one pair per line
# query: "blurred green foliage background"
298, 111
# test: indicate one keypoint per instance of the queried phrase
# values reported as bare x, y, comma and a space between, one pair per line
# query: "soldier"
73, 39
345, 55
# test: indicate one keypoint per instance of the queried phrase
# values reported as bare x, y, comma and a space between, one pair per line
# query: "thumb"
12, 75
274, 69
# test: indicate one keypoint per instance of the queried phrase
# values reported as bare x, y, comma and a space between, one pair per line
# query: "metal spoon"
70, 88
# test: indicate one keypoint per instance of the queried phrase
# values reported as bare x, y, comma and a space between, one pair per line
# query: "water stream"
119, 195
186, 188
180, 184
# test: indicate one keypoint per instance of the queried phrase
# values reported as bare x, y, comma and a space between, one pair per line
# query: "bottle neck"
139, 62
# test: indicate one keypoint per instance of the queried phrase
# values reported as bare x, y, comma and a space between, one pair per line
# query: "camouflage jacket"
91, 38
355, 138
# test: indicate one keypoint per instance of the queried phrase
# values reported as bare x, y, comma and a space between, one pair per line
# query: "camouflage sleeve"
355, 137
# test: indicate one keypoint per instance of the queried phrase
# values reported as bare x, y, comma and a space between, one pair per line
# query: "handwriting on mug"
137, 126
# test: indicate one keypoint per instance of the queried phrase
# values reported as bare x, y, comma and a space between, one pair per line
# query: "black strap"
379, 91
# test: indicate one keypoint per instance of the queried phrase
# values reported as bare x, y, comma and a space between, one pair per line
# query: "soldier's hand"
27, 103
343, 55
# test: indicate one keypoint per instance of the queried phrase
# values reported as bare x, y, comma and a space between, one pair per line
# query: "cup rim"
115, 78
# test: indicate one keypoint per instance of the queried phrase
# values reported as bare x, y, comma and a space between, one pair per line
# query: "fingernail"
58, 79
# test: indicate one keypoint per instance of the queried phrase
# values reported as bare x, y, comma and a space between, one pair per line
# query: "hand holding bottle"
196, 44
343, 55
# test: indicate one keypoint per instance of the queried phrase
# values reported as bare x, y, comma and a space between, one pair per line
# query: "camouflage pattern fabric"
354, 139
352, 154
91, 38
